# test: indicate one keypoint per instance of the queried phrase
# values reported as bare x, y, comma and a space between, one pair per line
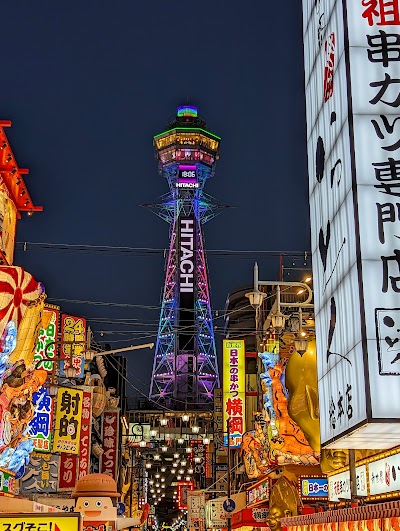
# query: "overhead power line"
145, 251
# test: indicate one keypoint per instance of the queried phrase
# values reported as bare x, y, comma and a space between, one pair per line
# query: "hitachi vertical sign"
187, 268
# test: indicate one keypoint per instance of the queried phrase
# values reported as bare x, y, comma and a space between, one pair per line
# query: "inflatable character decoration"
96, 498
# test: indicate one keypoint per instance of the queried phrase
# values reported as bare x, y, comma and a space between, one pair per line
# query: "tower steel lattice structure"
185, 370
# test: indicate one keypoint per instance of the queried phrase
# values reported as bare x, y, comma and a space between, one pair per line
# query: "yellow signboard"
234, 391
40, 522
68, 421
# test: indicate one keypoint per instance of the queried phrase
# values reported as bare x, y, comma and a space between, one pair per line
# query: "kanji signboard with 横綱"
234, 391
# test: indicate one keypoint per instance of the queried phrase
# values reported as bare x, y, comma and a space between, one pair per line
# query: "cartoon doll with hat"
96, 499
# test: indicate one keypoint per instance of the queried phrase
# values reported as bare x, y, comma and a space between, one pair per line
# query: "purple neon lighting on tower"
185, 369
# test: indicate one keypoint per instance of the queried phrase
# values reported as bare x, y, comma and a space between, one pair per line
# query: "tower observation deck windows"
186, 155
187, 139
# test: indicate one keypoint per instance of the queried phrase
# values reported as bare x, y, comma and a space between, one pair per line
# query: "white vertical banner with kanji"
109, 458
234, 391
352, 77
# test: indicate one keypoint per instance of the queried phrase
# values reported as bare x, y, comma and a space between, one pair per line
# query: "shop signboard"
86, 431
234, 391
313, 487
339, 484
68, 420
40, 427
47, 337
219, 423
196, 514
184, 487
41, 522
258, 493
73, 329
110, 443
215, 514
41, 474
352, 106
221, 482
7, 483
384, 475
199, 461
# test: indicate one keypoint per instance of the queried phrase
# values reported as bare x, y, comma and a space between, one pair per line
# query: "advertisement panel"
196, 510
384, 476
184, 487
68, 471
86, 430
48, 334
339, 484
40, 427
68, 420
199, 461
352, 178
109, 458
215, 514
73, 329
42, 522
234, 391
41, 474
186, 275
313, 487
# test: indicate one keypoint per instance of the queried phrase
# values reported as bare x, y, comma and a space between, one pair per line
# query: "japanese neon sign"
45, 347
40, 426
68, 420
73, 329
234, 391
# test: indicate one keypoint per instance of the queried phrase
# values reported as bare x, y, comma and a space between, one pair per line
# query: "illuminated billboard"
68, 420
73, 330
352, 104
234, 391
47, 337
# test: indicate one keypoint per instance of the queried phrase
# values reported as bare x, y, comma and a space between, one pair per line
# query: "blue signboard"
314, 487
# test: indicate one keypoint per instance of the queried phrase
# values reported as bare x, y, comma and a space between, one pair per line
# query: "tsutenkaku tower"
185, 370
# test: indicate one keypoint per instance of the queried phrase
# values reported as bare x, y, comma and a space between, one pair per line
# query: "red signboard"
67, 474
73, 467
110, 440
73, 330
86, 423
183, 488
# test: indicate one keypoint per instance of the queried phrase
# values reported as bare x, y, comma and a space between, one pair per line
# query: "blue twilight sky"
88, 83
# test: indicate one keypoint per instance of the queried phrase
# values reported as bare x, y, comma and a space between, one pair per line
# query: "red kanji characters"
386, 13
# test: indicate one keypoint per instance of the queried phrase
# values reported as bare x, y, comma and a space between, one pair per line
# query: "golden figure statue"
284, 501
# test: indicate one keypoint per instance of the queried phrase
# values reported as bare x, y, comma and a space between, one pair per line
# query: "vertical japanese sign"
196, 510
198, 461
86, 424
109, 464
40, 427
73, 329
41, 474
73, 467
187, 276
45, 347
234, 391
68, 420
67, 475
351, 58
184, 487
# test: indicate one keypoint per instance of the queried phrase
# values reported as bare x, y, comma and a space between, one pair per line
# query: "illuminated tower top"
187, 143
